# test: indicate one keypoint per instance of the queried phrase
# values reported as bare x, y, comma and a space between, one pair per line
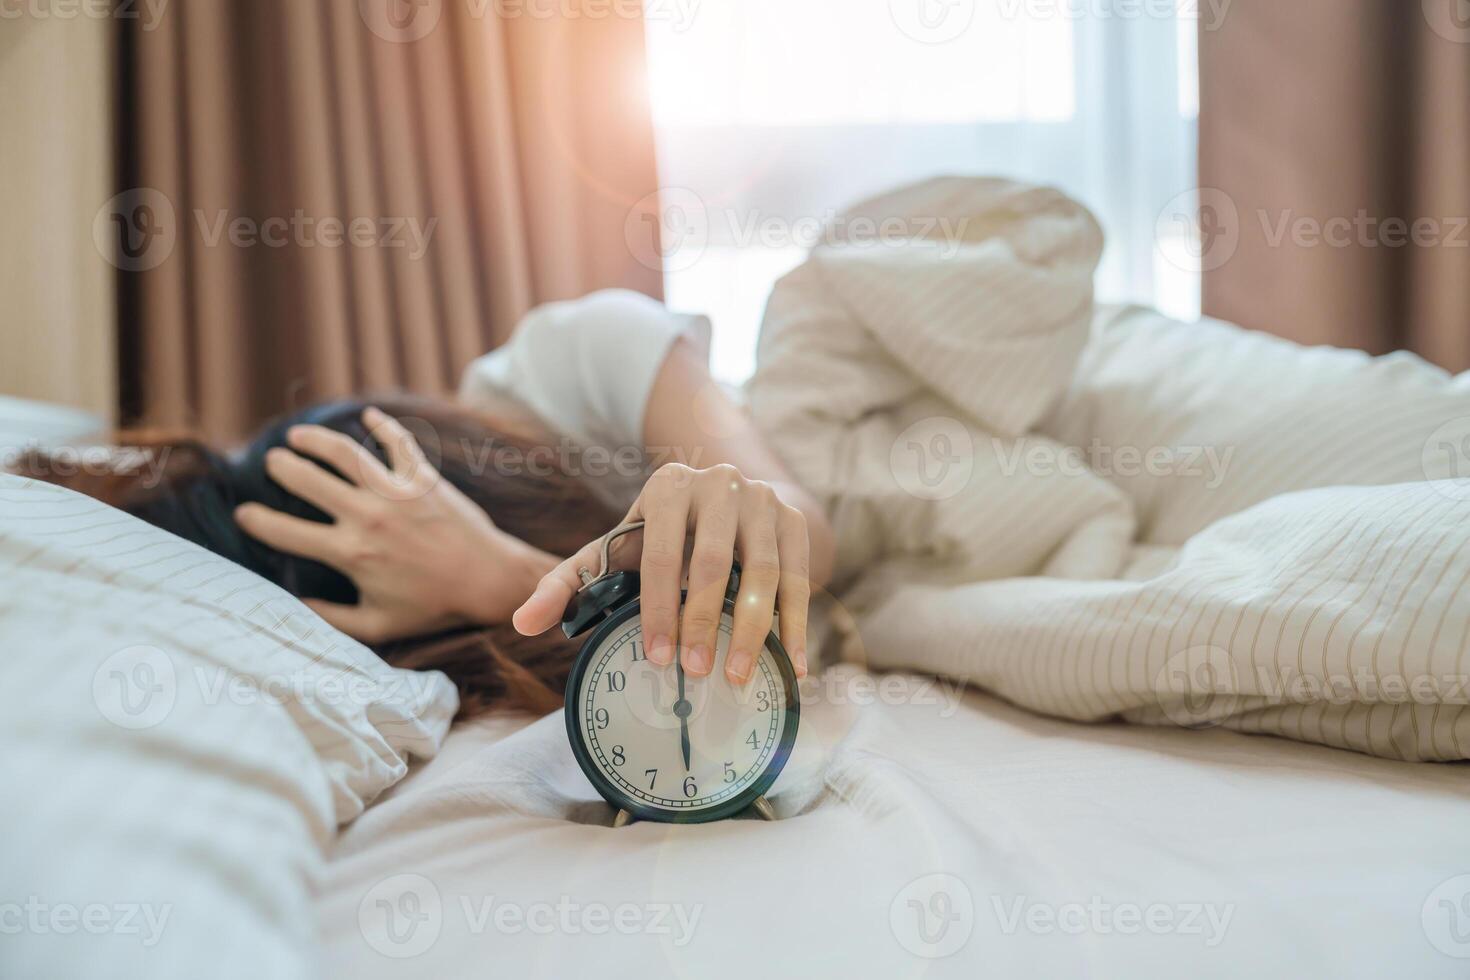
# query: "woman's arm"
693, 418
424, 558
729, 497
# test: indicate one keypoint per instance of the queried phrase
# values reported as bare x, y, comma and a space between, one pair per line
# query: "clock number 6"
690, 789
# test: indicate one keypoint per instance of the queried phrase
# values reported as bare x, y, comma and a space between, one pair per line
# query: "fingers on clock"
547, 603
665, 513
709, 577
760, 578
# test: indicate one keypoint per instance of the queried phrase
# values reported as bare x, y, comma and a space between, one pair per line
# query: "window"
772, 115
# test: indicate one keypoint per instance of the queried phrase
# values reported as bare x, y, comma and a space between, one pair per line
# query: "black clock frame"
618, 615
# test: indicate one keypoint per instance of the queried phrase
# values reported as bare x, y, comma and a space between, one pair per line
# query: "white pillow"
181, 740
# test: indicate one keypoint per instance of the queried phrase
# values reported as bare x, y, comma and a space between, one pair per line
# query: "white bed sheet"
1060, 849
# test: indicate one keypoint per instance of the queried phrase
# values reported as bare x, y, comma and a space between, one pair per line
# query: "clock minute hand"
682, 708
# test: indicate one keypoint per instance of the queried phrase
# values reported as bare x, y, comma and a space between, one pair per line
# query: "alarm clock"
657, 743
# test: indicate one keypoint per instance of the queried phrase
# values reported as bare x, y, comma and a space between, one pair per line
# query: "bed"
923, 831
193, 743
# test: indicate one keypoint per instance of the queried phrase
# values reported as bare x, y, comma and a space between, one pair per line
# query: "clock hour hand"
683, 709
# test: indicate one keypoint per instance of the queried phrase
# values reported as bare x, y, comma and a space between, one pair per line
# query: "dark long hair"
537, 498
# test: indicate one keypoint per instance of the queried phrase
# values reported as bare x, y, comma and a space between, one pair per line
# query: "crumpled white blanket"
1097, 512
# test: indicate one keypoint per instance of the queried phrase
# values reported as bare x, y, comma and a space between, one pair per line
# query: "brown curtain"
1319, 111
365, 194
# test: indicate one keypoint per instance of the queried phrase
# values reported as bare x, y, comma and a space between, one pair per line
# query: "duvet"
1099, 512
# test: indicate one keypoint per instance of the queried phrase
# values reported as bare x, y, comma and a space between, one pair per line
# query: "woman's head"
542, 504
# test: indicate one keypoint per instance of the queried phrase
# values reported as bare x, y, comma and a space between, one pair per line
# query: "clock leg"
764, 808
622, 819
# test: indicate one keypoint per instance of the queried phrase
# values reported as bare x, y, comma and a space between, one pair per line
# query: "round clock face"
666, 745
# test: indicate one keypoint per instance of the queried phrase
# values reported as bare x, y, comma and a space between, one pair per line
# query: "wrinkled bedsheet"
924, 832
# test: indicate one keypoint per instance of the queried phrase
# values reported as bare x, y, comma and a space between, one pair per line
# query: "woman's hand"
716, 514
424, 557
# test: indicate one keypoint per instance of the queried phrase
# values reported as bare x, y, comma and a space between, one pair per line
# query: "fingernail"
661, 651
799, 658
739, 666
293, 435
699, 660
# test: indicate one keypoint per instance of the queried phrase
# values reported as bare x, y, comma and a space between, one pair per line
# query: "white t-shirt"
582, 370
